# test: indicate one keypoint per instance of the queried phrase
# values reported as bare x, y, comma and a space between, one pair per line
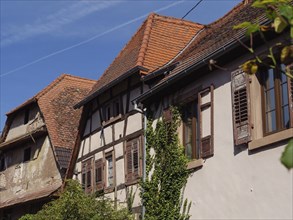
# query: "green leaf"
258, 4
279, 24
242, 25
286, 11
287, 155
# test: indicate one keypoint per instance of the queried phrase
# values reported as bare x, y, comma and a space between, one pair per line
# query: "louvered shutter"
88, 175
241, 107
129, 162
206, 120
99, 174
135, 155
290, 92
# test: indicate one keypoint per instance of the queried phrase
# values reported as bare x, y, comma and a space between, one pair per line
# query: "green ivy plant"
166, 172
280, 15
74, 204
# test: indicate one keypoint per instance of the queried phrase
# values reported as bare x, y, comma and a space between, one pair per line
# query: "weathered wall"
24, 179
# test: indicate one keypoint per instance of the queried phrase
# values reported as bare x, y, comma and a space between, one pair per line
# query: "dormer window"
112, 109
2, 163
26, 116
27, 154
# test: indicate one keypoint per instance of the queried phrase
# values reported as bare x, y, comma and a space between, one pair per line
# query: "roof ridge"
145, 40
177, 20
79, 78
59, 79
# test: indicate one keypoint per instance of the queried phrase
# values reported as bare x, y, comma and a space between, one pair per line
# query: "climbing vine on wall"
166, 172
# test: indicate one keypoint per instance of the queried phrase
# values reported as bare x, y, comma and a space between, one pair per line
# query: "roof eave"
219, 52
109, 85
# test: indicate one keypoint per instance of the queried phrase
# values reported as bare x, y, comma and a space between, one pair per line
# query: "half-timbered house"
108, 153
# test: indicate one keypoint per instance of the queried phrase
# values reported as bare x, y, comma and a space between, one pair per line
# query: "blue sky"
42, 39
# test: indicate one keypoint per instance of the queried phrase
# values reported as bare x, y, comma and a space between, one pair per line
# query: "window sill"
132, 182
112, 120
194, 164
109, 189
270, 139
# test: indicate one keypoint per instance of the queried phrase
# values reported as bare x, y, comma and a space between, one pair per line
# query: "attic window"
26, 116
2, 163
112, 109
27, 154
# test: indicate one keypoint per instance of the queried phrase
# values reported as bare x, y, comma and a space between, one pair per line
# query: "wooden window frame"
278, 98
87, 167
110, 110
99, 185
194, 130
106, 183
204, 147
131, 177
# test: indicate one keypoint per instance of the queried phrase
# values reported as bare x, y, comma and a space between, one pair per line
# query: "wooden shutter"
135, 156
241, 107
99, 174
206, 120
87, 168
129, 162
290, 92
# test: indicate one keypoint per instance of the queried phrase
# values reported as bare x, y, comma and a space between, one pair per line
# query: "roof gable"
56, 103
157, 41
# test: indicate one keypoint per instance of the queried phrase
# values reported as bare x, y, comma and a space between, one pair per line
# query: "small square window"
27, 154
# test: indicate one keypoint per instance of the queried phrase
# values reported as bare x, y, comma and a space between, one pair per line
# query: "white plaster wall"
96, 141
239, 185
134, 123
108, 135
120, 175
119, 127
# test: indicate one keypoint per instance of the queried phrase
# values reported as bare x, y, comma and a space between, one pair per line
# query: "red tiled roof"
213, 38
56, 103
157, 41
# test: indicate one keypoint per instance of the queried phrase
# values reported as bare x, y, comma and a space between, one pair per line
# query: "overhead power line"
192, 9
88, 40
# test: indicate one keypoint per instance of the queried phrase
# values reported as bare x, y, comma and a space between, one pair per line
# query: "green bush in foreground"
74, 204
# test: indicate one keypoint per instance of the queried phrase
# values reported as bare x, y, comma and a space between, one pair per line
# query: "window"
198, 126
2, 163
109, 170
27, 154
26, 116
190, 130
99, 174
112, 109
275, 98
86, 175
133, 162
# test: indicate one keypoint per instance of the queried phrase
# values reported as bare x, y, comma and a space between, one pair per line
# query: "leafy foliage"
166, 172
280, 13
287, 156
73, 204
